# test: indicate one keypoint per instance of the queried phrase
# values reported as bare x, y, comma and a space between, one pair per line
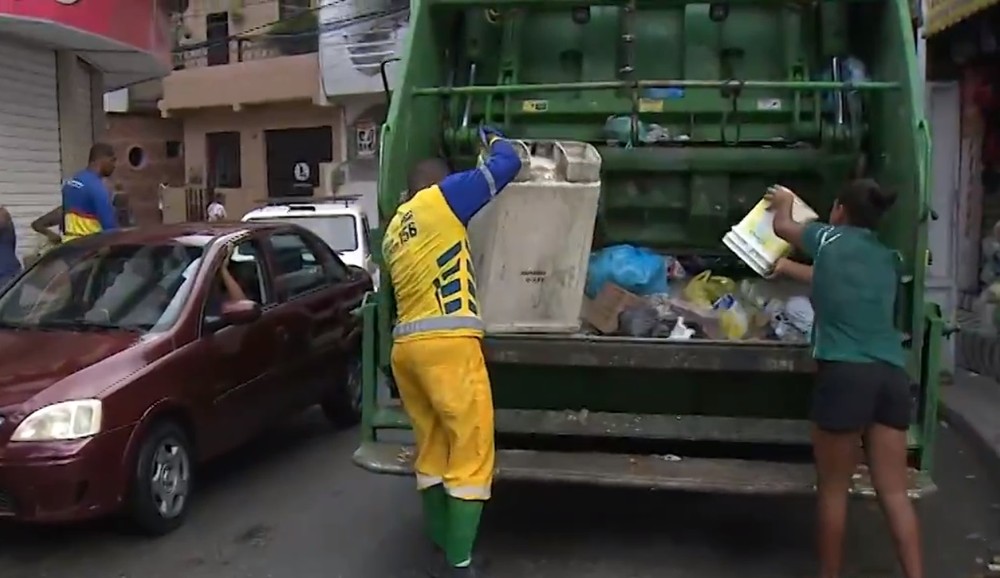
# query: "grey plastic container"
531, 245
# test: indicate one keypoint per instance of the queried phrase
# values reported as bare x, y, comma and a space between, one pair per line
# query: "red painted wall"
139, 24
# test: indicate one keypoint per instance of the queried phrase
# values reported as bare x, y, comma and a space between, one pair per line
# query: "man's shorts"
852, 396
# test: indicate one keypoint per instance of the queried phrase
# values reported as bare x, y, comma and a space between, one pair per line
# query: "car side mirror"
354, 272
240, 312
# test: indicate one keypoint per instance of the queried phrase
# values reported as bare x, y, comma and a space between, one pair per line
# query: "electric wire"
321, 27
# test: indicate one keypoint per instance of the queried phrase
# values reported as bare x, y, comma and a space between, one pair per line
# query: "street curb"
964, 428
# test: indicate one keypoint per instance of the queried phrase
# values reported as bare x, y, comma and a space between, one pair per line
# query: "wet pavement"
293, 506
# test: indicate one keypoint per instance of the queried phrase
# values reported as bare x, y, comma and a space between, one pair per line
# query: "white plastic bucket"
531, 245
753, 239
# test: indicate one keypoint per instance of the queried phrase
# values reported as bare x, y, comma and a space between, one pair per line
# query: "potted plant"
297, 34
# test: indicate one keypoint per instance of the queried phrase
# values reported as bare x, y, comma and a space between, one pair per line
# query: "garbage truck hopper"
693, 109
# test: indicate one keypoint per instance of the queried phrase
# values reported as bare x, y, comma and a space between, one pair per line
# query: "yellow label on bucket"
760, 224
755, 240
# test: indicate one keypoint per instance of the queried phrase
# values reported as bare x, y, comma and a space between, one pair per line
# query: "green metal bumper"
650, 472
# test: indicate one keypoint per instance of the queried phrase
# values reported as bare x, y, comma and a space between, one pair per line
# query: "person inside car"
10, 266
227, 289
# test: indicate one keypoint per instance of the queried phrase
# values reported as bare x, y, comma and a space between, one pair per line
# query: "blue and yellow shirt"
426, 249
86, 206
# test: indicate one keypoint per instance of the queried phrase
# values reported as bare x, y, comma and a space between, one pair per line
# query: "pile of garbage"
636, 292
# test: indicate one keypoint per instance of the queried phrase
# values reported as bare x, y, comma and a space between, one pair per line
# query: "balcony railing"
244, 49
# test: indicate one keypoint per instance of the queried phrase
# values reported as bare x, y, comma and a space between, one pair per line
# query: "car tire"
162, 480
342, 404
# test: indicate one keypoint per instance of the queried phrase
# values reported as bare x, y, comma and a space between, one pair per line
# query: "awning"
943, 14
128, 40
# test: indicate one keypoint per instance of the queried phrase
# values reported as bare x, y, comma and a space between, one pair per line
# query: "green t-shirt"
854, 287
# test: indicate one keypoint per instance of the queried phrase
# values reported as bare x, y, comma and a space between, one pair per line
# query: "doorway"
943, 239
217, 38
293, 159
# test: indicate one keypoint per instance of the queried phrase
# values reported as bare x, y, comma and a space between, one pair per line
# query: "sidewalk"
971, 406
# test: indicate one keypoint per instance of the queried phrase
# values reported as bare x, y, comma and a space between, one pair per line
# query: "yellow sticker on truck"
650, 105
535, 106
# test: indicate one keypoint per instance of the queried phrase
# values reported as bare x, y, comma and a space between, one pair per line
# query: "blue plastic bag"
634, 269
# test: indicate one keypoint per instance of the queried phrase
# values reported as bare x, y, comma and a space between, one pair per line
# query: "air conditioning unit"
331, 177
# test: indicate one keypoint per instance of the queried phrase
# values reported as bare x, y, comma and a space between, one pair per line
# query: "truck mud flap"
638, 353
649, 472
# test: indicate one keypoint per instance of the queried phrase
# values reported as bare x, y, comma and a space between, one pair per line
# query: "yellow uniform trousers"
445, 389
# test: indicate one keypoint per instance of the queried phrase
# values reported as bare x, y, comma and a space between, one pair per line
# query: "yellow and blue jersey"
426, 248
86, 206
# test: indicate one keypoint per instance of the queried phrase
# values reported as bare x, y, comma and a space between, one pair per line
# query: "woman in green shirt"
862, 388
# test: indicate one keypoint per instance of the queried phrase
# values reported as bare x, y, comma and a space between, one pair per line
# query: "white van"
342, 223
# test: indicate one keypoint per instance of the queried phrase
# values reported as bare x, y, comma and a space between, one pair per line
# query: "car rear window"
340, 232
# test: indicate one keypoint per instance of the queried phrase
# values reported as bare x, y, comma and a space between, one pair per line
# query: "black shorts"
853, 396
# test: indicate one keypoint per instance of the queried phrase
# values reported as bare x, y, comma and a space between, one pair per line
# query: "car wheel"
342, 405
162, 482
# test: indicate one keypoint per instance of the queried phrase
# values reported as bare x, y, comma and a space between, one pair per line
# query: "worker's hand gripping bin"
531, 245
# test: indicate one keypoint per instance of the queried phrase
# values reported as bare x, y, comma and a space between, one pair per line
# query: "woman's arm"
796, 271
232, 287
784, 225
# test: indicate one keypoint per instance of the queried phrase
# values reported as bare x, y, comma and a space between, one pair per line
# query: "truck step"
708, 475
684, 428
640, 353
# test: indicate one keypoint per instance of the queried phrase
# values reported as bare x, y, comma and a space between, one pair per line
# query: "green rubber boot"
463, 526
435, 502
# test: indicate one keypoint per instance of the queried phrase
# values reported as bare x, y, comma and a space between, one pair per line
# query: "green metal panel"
745, 92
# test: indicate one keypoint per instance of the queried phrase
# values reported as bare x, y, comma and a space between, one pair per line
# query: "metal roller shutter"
30, 176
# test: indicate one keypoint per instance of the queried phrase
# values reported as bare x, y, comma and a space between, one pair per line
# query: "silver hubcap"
170, 480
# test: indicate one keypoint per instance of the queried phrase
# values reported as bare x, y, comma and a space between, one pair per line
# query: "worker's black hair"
426, 173
865, 202
100, 150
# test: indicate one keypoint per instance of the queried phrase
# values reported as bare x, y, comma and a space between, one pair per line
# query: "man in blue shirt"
437, 356
86, 201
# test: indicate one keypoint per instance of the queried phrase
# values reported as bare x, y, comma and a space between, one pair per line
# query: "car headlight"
68, 420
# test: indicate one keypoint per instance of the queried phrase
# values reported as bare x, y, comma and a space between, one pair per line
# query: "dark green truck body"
743, 81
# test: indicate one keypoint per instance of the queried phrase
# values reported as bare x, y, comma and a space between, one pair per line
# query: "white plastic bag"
681, 331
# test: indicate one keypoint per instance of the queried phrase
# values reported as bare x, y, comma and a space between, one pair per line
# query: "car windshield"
127, 287
339, 231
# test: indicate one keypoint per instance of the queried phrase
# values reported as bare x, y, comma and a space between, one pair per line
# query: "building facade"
962, 51
150, 150
57, 58
359, 42
272, 99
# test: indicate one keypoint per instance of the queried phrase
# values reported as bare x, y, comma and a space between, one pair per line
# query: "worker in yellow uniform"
437, 358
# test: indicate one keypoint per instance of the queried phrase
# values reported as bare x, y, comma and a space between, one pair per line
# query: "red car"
129, 357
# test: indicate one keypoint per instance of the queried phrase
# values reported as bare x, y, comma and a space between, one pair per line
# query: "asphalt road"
293, 506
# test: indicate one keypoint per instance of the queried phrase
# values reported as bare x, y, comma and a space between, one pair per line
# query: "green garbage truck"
743, 93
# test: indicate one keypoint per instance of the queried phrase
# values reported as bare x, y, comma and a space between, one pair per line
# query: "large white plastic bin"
531, 244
